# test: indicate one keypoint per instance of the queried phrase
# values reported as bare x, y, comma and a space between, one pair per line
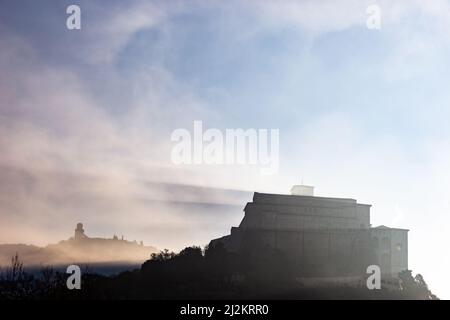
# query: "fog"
86, 118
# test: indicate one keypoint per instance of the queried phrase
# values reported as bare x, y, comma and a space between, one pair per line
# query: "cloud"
85, 121
112, 29
68, 157
320, 17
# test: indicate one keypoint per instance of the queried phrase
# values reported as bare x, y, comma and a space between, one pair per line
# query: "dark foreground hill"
196, 274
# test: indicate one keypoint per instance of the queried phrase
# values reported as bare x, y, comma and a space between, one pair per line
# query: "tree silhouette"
15, 271
415, 287
192, 273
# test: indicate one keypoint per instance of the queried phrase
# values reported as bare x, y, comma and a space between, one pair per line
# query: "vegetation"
193, 273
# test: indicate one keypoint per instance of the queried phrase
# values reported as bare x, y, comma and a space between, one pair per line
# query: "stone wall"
321, 236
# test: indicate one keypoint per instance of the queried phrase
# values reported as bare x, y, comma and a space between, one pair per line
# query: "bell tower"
79, 232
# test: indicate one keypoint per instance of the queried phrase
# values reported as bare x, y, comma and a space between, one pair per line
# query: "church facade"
323, 236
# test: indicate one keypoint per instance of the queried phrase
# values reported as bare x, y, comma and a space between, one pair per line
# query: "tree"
15, 271
415, 287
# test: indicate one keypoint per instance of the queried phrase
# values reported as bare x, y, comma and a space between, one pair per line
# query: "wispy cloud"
86, 117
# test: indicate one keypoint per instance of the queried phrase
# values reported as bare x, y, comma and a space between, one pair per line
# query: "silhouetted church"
324, 236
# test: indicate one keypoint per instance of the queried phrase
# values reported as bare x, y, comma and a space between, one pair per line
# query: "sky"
86, 115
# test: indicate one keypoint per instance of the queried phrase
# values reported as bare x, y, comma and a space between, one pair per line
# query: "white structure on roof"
302, 190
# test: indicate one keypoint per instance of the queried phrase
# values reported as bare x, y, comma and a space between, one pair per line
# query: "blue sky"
362, 113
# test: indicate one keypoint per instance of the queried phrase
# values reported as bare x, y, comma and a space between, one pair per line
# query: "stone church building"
323, 236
